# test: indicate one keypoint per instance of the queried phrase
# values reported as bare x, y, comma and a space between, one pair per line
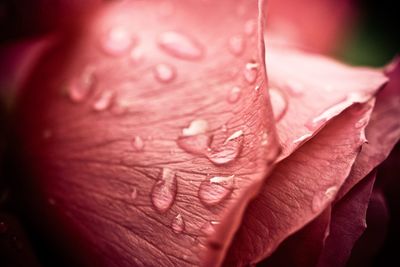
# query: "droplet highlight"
178, 224
216, 189
134, 193
180, 45
82, 85
236, 45
228, 151
164, 73
103, 101
322, 198
117, 41
195, 127
164, 191
234, 94
250, 72
138, 144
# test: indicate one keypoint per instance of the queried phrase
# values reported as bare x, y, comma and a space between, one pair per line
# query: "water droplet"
137, 143
234, 94
180, 45
178, 224
236, 45
264, 139
228, 151
279, 103
136, 56
322, 198
116, 41
250, 27
208, 227
103, 101
198, 126
164, 191
250, 72
294, 88
164, 73
134, 193
82, 85
213, 191
196, 144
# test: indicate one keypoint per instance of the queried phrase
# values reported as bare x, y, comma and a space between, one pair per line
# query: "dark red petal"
315, 89
300, 188
147, 79
382, 132
347, 225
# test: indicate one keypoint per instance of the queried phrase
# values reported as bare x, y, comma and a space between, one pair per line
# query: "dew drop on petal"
198, 126
136, 56
214, 190
195, 144
103, 101
178, 224
264, 139
164, 190
82, 85
236, 45
279, 103
116, 41
228, 151
322, 198
180, 45
234, 94
137, 143
250, 72
164, 73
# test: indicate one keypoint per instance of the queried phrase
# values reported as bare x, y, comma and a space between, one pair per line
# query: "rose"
181, 164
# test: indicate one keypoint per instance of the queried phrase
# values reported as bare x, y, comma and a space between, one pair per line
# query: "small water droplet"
196, 144
178, 224
322, 198
294, 88
136, 56
250, 72
116, 41
134, 193
198, 126
164, 73
264, 139
228, 151
214, 190
137, 143
180, 45
164, 190
236, 45
234, 94
279, 103
208, 227
82, 85
103, 101
250, 27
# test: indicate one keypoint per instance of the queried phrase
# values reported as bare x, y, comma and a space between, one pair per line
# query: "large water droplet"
250, 72
213, 191
81, 86
164, 191
137, 143
228, 151
198, 126
178, 224
234, 94
103, 101
196, 144
279, 103
322, 198
236, 45
164, 73
116, 41
180, 45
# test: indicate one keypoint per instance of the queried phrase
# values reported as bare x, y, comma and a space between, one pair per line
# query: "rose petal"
348, 224
300, 188
154, 157
382, 132
316, 89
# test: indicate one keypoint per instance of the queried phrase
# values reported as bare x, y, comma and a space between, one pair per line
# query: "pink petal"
382, 132
316, 89
300, 188
160, 175
347, 225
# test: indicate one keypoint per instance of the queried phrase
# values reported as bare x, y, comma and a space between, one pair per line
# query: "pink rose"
166, 133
